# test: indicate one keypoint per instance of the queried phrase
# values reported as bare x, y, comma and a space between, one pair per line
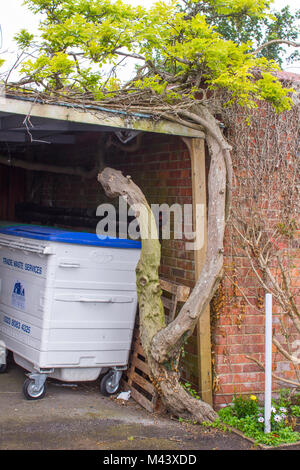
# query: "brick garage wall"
237, 324
238, 335
162, 169
161, 166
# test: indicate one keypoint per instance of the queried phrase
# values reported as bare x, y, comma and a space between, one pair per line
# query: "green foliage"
295, 410
244, 406
227, 8
83, 44
187, 421
241, 28
217, 424
188, 387
247, 415
287, 399
24, 39
287, 229
271, 90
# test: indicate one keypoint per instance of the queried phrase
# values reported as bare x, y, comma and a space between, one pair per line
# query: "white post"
268, 361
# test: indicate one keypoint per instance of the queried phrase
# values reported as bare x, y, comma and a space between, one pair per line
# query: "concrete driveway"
79, 417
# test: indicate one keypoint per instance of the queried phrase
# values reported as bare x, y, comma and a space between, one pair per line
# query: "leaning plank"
144, 402
137, 378
144, 384
181, 291
142, 366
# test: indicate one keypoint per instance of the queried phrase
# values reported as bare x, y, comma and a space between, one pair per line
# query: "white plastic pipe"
268, 361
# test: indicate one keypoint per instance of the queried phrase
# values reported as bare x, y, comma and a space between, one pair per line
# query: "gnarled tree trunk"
162, 344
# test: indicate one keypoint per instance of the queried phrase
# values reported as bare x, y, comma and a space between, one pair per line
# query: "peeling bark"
148, 286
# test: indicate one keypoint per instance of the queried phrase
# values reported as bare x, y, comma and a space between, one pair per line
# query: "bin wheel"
30, 392
106, 384
3, 368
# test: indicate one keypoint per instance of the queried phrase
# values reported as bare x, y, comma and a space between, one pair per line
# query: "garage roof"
25, 119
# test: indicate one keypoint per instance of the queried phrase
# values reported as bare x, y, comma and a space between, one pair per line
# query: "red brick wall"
238, 338
239, 332
162, 168
238, 324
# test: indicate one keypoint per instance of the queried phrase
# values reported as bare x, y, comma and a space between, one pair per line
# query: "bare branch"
241, 291
288, 356
275, 41
276, 377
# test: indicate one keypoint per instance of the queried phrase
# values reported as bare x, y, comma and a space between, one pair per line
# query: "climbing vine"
263, 233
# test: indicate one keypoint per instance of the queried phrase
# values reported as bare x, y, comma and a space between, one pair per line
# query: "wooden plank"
179, 294
144, 384
106, 118
168, 286
142, 366
133, 379
144, 402
139, 363
173, 309
129, 373
149, 405
139, 348
182, 292
197, 153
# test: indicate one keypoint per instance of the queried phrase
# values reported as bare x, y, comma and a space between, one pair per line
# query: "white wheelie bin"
67, 304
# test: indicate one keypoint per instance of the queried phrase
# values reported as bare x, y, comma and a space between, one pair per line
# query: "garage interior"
50, 155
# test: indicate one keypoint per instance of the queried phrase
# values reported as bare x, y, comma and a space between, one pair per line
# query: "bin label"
21, 265
18, 296
15, 324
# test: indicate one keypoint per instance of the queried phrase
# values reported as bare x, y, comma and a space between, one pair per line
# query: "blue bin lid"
63, 236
